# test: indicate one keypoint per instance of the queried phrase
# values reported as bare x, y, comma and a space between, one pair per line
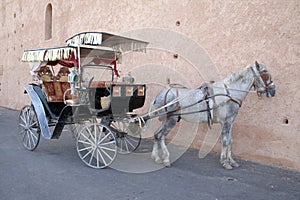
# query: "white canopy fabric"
49, 54
117, 43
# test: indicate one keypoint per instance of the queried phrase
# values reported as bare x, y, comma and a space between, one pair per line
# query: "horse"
217, 102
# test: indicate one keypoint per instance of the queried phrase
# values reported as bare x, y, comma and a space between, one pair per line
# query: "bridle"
262, 80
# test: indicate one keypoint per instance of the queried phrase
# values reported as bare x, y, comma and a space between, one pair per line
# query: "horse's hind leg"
159, 139
165, 153
168, 126
154, 155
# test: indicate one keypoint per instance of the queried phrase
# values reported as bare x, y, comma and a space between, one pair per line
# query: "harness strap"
237, 101
207, 91
177, 107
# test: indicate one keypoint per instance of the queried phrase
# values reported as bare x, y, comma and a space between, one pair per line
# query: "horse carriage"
85, 95
76, 85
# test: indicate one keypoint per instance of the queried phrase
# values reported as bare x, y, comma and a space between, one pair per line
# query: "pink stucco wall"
233, 33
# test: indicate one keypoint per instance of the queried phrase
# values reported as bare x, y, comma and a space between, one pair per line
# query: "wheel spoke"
22, 131
126, 140
84, 142
97, 157
33, 124
88, 139
28, 140
104, 138
23, 118
24, 136
100, 136
84, 149
126, 146
32, 135
106, 154
109, 149
89, 152
92, 156
110, 142
23, 126
121, 142
95, 130
91, 135
99, 152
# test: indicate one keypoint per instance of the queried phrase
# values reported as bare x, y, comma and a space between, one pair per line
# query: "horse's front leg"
232, 162
225, 141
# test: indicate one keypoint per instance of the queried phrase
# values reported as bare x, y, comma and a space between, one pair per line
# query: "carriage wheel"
128, 140
30, 129
96, 145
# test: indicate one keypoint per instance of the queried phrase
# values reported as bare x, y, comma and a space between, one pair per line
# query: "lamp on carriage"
73, 79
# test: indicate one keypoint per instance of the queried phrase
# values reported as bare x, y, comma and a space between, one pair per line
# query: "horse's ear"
257, 65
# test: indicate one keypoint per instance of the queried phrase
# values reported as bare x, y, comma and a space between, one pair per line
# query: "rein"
239, 90
153, 113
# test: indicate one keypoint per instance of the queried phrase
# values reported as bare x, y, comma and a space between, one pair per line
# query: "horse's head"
262, 80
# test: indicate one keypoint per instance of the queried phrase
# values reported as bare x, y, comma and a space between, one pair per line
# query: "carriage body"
75, 85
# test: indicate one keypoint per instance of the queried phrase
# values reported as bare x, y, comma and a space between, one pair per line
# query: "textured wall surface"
233, 33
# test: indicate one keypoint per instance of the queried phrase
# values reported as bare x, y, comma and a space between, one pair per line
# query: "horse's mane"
237, 75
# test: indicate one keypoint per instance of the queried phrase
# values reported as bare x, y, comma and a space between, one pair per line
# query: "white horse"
213, 103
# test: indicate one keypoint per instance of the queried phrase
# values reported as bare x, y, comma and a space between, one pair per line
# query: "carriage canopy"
98, 47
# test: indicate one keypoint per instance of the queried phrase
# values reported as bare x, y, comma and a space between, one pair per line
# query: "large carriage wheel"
96, 145
128, 139
29, 127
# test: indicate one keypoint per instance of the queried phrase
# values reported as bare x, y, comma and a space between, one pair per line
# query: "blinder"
265, 80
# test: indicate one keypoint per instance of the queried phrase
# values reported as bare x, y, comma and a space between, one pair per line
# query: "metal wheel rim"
96, 146
29, 128
126, 143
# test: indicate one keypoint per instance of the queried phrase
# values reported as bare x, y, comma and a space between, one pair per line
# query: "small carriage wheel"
127, 143
96, 145
29, 127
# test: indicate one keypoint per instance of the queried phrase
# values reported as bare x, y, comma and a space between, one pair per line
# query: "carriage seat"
55, 86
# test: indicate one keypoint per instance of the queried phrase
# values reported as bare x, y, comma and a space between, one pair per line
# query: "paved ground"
54, 171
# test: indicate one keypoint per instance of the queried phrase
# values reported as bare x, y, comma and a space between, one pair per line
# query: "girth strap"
207, 92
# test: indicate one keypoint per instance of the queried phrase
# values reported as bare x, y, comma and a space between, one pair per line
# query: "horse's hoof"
167, 164
234, 164
227, 166
157, 160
